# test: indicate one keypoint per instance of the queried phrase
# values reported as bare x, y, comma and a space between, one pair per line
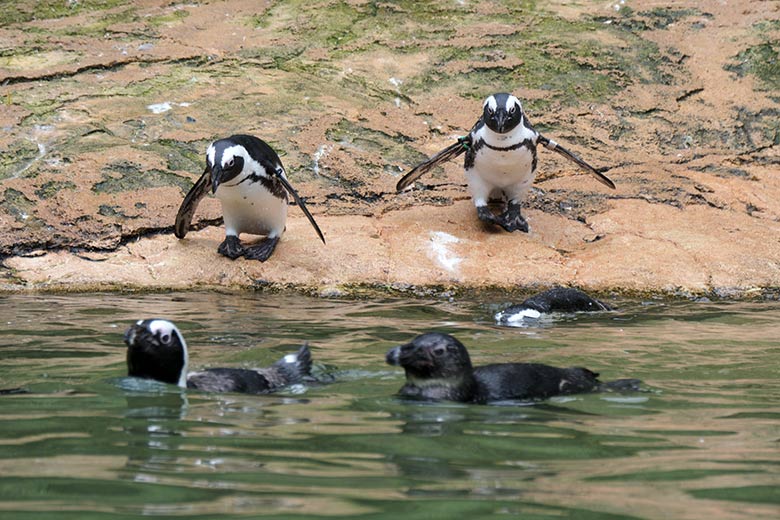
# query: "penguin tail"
621, 385
452, 151
296, 366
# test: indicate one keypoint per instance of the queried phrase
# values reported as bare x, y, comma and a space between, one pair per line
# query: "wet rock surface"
107, 109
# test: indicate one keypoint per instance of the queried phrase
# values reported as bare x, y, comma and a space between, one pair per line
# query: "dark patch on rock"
127, 176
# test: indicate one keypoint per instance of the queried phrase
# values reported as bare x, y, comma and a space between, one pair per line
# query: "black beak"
393, 356
130, 335
501, 117
216, 175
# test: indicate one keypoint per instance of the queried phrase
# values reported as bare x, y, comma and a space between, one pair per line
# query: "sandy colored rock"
107, 113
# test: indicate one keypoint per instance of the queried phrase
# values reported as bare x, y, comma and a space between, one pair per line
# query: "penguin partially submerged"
500, 160
247, 176
557, 299
438, 367
156, 350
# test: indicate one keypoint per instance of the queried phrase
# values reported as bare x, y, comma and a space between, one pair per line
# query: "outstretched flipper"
452, 151
552, 145
294, 368
280, 175
190, 204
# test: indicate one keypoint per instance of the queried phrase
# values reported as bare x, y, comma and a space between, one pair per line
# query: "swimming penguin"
248, 178
438, 367
557, 299
156, 350
500, 160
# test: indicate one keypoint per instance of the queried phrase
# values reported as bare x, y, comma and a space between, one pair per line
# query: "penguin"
157, 350
247, 176
500, 160
557, 299
438, 367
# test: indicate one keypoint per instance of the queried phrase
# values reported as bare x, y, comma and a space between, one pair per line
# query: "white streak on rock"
321, 152
440, 250
159, 108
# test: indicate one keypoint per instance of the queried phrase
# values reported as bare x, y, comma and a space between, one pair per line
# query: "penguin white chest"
503, 168
251, 208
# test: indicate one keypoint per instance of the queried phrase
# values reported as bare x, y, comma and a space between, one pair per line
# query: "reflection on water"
86, 442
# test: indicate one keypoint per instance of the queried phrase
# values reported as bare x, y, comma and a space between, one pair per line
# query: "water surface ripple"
85, 442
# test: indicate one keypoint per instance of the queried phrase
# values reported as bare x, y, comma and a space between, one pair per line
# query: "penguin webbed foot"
485, 215
263, 250
512, 220
231, 247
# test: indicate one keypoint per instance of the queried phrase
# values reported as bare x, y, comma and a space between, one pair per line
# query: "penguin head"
226, 160
431, 356
502, 112
156, 350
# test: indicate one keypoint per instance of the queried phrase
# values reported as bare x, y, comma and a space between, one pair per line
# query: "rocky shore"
107, 110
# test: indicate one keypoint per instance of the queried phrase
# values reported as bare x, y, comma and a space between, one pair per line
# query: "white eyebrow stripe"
210, 154
166, 327
491, 102
232, 151
512, 101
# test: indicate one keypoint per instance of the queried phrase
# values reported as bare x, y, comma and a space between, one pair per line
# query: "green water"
86, 444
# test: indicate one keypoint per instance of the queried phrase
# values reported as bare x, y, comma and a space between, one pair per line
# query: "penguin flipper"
451, 152
552, 145
299, 201
190, 204
296, 366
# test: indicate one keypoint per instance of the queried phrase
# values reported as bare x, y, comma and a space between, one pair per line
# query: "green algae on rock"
103, 134
127, 176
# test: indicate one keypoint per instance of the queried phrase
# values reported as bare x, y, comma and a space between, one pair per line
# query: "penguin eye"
491, 111
165, 338
230, 163
513, 109
439, 351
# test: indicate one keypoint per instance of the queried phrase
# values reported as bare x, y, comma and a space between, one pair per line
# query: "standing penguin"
500, 160
247, 176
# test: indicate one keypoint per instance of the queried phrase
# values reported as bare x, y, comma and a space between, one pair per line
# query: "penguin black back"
438, 367
557, 299
564, 299
157, 350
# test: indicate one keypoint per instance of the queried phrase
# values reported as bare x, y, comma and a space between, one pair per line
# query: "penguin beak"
216, 176
133, 333
393, 356
501, 118
130, 336
408, 355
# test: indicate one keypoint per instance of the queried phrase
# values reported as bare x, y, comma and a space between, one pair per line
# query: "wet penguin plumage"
557, 299
247, 176
157, 350
500, 160
438, 367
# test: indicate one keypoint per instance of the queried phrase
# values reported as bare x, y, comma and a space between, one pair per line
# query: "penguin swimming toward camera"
247, 176
438, 367
156, 350
557, 299
500, 160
